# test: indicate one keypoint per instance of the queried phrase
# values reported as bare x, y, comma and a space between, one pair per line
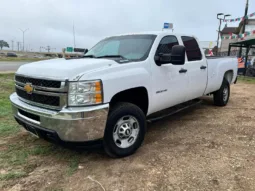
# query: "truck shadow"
157, 130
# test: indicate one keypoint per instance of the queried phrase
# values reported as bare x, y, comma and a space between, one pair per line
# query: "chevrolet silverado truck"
109, 95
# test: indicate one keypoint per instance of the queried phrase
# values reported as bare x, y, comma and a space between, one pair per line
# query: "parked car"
123, 81
11, 54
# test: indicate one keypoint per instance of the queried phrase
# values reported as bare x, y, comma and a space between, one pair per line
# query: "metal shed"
248, 44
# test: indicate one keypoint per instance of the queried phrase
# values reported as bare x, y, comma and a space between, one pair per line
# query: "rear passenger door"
196, 65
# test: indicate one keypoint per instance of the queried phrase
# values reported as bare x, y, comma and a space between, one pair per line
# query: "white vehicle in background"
123, 81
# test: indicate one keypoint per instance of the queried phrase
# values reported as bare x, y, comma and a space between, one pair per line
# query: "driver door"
169, 83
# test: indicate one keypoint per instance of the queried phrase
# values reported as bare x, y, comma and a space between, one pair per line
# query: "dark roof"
249, 42
228, 30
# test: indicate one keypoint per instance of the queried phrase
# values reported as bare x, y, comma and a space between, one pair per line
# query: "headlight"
85, 93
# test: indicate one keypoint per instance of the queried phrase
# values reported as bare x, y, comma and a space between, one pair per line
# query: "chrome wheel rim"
225, 94
126, 131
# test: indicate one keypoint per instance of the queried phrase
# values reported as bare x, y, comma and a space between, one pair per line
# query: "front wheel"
125, 130
221, 96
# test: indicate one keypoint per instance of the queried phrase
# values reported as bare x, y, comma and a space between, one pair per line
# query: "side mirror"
178, 55
85, 51
162, 59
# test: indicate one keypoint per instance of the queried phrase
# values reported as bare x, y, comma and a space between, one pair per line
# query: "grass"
246, 79
14, 155
7, 124
12, 175
73, 165
42, 149
20, 59
8, 128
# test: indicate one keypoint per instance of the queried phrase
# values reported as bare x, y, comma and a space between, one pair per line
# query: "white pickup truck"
108, 96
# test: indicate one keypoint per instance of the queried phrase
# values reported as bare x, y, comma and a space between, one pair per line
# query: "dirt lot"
206, 148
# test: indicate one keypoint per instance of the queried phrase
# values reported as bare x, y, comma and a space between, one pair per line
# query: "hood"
71, 69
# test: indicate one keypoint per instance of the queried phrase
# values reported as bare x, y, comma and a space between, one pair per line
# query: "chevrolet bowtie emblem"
28, 88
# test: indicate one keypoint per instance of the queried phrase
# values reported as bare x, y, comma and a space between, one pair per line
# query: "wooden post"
246, 59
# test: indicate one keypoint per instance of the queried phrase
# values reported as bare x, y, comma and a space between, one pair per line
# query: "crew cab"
108, 95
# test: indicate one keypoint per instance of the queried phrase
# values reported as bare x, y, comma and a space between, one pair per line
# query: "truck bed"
217, 67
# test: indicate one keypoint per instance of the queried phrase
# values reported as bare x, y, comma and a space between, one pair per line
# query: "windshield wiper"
112, 56
89, 56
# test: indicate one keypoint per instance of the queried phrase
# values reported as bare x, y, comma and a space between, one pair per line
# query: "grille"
39, 82
39, 98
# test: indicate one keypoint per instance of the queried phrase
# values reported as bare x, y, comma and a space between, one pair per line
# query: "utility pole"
48, 48
244, 22
41, 48
23, 31
12, 44
18, 44
74, 36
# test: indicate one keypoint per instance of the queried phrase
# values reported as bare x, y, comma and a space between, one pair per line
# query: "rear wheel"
125, 130
221, 96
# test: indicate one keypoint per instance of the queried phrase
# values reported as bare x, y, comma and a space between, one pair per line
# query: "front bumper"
75, 124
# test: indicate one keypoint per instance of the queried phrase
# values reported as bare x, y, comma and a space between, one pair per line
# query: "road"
6, 66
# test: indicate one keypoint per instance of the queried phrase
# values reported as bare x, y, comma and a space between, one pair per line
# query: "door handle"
183, 70
203, 67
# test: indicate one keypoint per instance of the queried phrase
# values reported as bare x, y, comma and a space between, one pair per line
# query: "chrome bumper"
76, 124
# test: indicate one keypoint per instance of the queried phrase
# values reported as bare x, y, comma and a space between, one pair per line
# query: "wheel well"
229, 76
137, 96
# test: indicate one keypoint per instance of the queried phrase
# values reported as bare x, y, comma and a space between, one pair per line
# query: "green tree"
3, 44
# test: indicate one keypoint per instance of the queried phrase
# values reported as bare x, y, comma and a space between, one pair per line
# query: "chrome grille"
39, 98
38, 82
47, 93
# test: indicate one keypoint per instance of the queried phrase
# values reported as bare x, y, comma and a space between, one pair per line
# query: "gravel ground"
204, 148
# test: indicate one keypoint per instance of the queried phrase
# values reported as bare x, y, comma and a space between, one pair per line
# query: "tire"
221, 96
125, 130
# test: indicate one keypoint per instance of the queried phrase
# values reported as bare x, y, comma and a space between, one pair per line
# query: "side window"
192, 48
166, 44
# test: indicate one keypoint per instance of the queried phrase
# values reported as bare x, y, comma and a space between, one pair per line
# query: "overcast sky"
50, 22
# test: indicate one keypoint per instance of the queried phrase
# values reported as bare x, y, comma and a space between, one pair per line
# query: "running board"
172, 110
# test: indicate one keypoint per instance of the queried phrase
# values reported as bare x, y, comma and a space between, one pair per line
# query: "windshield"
131, 47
